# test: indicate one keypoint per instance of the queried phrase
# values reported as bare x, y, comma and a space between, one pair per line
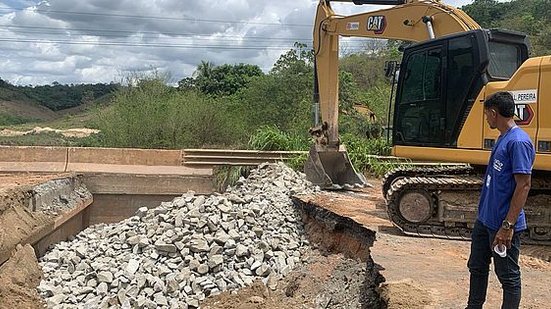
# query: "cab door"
419, 116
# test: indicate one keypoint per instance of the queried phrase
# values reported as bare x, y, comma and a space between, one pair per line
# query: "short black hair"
503, 102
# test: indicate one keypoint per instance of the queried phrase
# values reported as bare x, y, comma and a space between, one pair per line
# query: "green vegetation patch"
9, 119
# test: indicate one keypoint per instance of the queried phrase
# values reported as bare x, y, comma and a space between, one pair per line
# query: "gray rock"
141, 212
203, 269
46, 290
166, 247
176, 254
272, 281
188, 289
92, 283
105, 276
132, 291
81, 251
159, 211
193, 302
159, 286
194, 264
223, 208
221, 237
56, 300
255, 265
85, 290
241, 250
133, 240
234, 234
215, 260
144, 241
263, 271
102, 288
199, 201
172, 285
160, 299
121, 296
199, 245
132, 266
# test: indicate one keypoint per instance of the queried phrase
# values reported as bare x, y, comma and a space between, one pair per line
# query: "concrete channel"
116, 183
99, 185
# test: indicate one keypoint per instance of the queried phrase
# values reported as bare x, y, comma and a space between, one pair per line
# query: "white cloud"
93, 41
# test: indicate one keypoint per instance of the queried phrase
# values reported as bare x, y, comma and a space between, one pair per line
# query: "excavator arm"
409, 20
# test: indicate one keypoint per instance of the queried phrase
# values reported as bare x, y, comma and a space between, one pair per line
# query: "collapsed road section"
35, 211
31, 212
204, 250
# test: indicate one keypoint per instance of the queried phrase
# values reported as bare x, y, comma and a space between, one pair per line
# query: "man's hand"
504, 237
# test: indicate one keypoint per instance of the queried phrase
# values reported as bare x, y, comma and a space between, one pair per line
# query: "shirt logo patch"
498, 165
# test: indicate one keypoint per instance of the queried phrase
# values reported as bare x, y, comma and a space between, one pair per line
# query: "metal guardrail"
211, 157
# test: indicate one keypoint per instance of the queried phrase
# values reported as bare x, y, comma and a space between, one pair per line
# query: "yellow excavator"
443, 80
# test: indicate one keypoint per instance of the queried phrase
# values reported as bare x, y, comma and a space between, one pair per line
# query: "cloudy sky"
91, 41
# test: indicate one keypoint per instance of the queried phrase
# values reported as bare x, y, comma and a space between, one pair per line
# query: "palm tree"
204, 70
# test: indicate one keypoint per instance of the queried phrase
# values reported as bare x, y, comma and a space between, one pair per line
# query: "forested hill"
55, 96
532, 17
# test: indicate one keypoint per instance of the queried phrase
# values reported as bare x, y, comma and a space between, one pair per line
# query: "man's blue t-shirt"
512, 154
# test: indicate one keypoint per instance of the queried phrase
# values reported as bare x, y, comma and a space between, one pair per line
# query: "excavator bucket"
332, 169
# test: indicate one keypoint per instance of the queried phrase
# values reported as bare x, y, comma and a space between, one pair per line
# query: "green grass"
362, 151
225, 176
10, 120
272, 138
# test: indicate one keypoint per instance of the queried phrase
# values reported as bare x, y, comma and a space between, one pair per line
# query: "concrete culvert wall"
211, 251
29, 213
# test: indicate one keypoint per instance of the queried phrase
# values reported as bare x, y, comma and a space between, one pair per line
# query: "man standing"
500, 214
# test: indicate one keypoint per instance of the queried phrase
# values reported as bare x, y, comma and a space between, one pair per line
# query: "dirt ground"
419, 272
324, 282
17, 222
76, 132
19, 277
432, 273
20, 274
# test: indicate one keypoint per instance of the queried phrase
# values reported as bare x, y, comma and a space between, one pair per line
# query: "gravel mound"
176, 255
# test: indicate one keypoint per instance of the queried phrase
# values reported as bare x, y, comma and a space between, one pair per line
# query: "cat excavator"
444, 78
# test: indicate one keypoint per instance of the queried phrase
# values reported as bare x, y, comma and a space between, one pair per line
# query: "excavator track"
445, 205
391, 176
424, 221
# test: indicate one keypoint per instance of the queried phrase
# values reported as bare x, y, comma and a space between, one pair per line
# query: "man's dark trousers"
507, 268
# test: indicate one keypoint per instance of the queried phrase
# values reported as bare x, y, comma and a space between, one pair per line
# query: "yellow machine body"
532, 114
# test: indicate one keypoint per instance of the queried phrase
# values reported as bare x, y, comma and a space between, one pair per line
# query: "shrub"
8, 119
362, 151
150, 114
272, 138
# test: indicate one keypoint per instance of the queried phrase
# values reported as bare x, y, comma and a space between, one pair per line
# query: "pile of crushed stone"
176, 255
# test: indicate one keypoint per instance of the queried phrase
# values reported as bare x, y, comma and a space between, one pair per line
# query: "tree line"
532, 17
57, 96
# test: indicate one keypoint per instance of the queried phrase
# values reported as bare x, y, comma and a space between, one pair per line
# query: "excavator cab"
441, 78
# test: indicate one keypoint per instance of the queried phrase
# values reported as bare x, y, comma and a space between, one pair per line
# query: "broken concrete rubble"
183, 251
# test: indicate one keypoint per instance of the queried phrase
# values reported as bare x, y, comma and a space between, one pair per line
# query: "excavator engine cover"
332, 169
